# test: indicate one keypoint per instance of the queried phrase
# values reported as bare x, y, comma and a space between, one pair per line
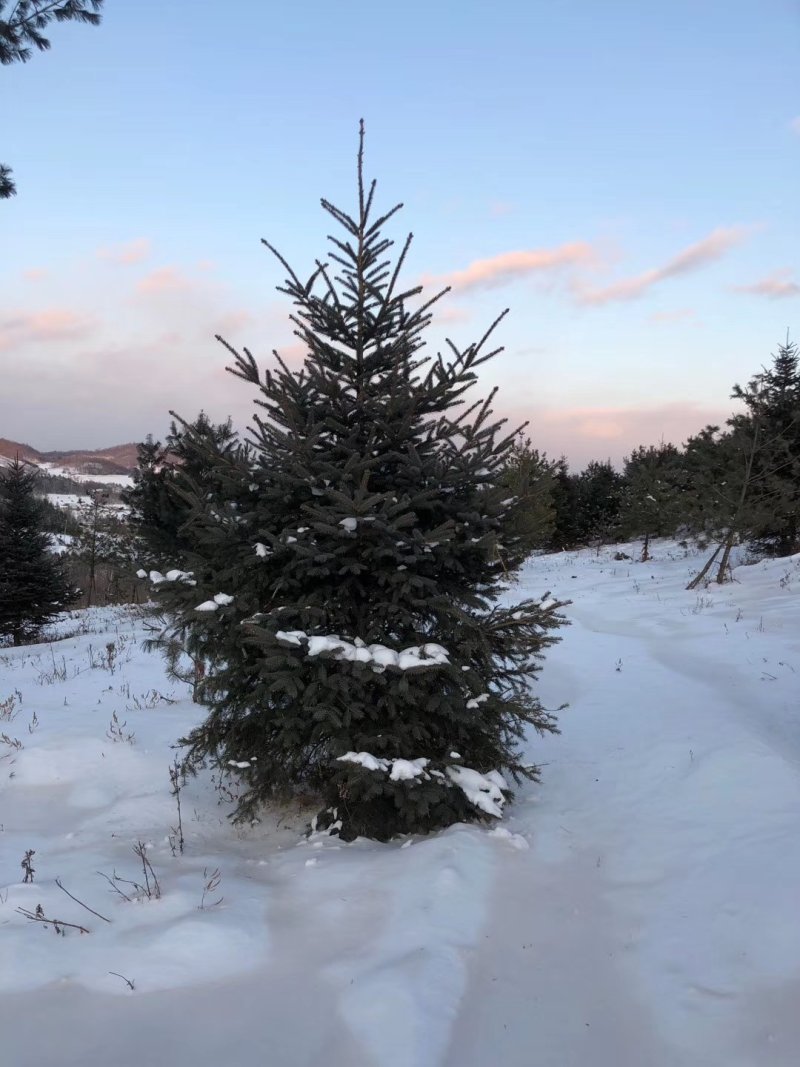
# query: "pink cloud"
698, 255
49, 325
35, 274
163, 280
586, 433
678, 315
448, 313
233, 321
775, 286
794, 125
510, 266
498, 208
129, 252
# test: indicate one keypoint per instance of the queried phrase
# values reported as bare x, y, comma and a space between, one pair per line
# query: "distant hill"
119, 459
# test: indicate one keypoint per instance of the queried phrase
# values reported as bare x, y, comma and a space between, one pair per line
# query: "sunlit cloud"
677, 315
511, 266
233, 321
49, 325
129, 252
711, 248
163, 280
586, 433
776, 286
450, 313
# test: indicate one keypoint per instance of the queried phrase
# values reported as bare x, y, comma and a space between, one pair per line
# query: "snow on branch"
379, 657
485, 791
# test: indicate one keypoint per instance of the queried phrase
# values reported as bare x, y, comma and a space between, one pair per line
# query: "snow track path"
654, 920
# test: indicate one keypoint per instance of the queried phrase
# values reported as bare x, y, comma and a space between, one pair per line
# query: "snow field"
638, 907
662, 878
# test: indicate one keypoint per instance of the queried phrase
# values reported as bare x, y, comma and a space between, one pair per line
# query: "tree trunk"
726, 555
709, 564
646, 548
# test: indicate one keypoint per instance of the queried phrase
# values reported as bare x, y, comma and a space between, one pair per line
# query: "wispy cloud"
794, 125
711, 248
586, 433
677, 315
498, 208
163, 280
450, 313
35, 274
776, 286
511, 266
50, 325
234, 321
129, 252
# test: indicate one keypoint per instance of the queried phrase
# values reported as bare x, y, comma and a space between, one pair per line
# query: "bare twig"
129, 981
114, 885
91, 910
211, 886
151, 891
27, 865
174, 777
58, 925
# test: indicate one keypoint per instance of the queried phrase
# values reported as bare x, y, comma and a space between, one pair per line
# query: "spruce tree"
772, 401
529, 476
157, 500
651, 501
564, 489
600, 489
743, 483
33, 585
345, 577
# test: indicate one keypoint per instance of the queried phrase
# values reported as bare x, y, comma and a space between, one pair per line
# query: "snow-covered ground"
124, 480
639, 908
82, 508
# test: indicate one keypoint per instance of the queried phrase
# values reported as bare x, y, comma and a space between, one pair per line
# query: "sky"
623, 176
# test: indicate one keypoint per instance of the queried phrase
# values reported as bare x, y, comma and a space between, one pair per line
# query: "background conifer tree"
33, 586
599, 503
529, 476
743, 483
157, 500
564, 494
650, 501
772, 400
344, 578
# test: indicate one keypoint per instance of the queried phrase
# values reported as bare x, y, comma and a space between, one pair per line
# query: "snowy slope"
639, 907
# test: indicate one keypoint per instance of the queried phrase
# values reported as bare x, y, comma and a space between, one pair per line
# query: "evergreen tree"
33, 586
340, 581
743, 484
720, 500
600, 490
651, 502
564, 493
22, 29
772, 400
157, 500
529, 476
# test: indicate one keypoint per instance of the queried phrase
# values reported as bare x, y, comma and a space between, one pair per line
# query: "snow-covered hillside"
639, 908
123, 480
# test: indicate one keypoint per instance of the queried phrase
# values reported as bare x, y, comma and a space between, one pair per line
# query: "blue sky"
622, 175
